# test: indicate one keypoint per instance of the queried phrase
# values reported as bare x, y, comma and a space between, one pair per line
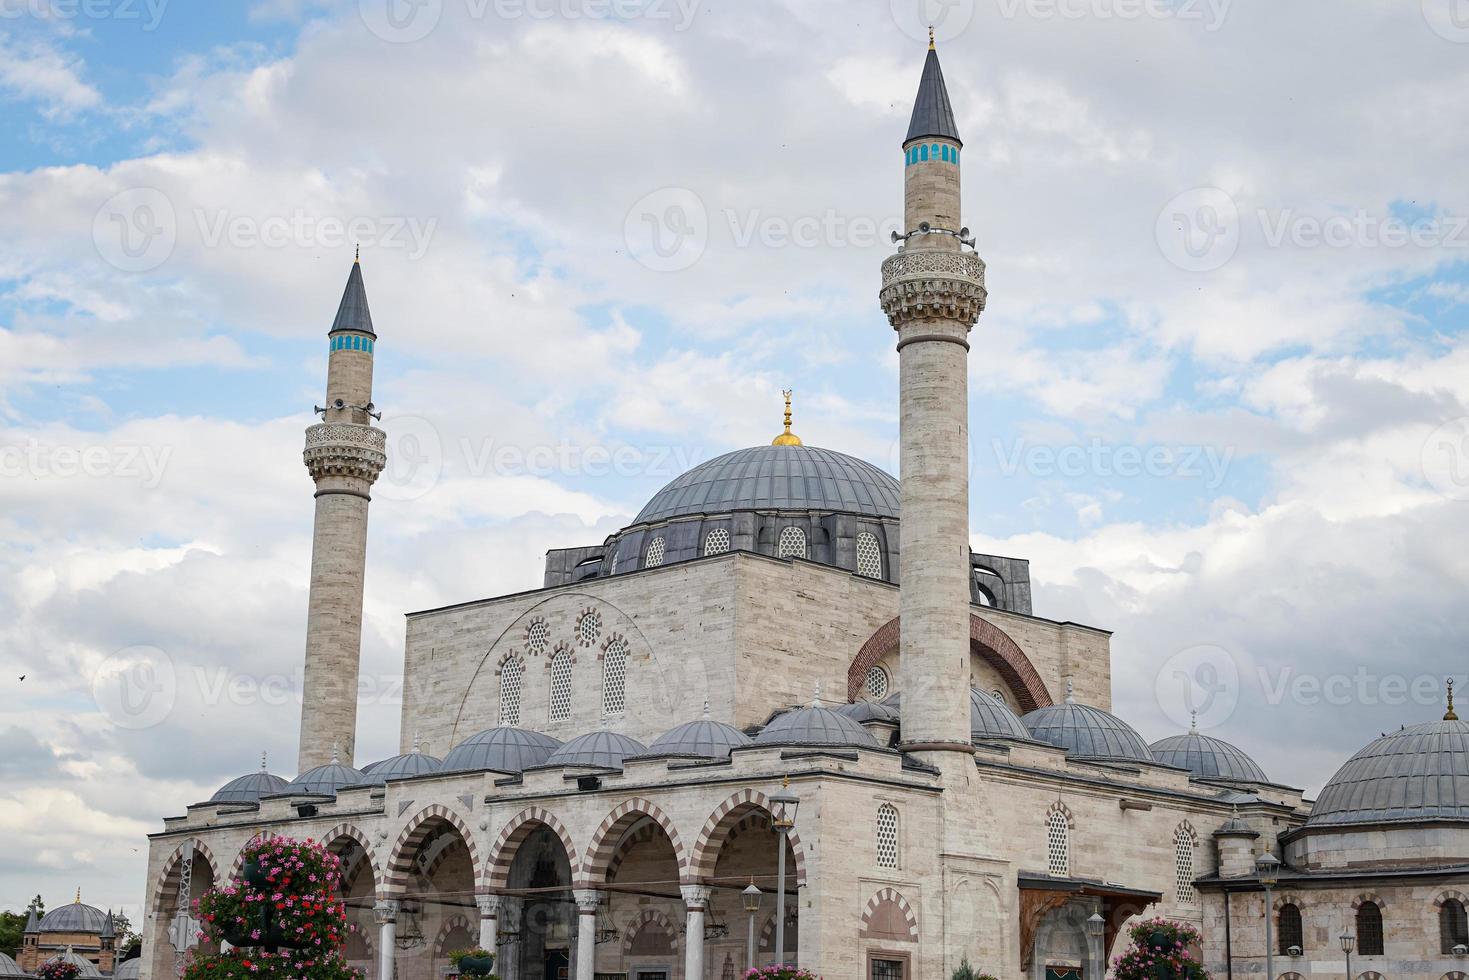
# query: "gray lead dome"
777, 478
1419, 773
1209, 757
816, 726
598, 750
75, 917
1087, 732
399, 766
249, 788
504, 749
325, 780
702, 739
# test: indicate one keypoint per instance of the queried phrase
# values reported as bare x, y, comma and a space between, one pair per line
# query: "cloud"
39, 72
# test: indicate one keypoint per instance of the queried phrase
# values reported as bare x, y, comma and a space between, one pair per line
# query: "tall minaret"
933, 293
344, 454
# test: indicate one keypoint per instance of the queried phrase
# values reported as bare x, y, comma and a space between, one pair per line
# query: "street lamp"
752, 897
1267, 869
785, 804
1348, 943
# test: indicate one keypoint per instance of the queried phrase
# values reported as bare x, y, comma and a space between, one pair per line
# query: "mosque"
786, 715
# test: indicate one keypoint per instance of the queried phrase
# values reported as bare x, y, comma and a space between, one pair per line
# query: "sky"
1218, 397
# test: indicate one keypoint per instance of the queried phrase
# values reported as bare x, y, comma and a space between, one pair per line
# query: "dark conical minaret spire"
932, 113
352, 312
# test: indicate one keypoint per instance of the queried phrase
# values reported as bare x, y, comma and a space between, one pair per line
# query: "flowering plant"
58, 970
1161, 950
780, 971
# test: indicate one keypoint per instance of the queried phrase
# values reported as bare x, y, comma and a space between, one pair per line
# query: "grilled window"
614, 678
1058, 846
1183, 867
887, 836
792, 543
1292, 931
877, 683
1369, 929
869, 555
654, 557
561, 686
887, 970
510, 677
716, 542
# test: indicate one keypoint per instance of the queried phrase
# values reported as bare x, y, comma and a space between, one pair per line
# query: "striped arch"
516, 830
1451, 894
348, 831
1366, 897
1455, 975
166, 887
986, 641
1065, 811
1289, 898
649, 917
405, 849
446, 931
603, 848
888, 901
717, 829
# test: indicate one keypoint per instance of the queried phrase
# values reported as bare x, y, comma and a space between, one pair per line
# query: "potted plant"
475, 962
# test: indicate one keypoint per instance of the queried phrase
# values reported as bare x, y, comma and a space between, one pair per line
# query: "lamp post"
785, 803
1267, 869
752, 897
1348, 943
1096, 930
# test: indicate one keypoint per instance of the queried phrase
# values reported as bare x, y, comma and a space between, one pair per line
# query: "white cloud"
40, 72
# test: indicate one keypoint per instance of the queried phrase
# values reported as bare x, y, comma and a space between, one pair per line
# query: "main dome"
75, 917
1418, 773
777, 478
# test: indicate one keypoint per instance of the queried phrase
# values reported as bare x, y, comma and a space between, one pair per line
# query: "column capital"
385, 911
489, 905
588, 900
696, 897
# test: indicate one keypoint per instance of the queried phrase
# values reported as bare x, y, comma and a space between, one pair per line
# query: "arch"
1455, 975
1371, 930
513, 834
717, 831
1366, 897
1290, 927
349, 831
986, 640
603, 847
1453, 925
446, 932
400, 860
649, 917
888, 916
166, 892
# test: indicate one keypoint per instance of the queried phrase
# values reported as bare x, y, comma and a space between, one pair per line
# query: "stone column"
386, 914
696, 899
489, 911
509, 923
587, 902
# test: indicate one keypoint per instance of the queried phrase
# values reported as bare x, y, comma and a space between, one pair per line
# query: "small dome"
1087, 732
128, 969
75, 917
249, 788
1418, 773
863, 712
9, 969
702, 739
991, 718
511, 750
413, 763
1208, 757
325, 780
816, 726
597, 750
88, 969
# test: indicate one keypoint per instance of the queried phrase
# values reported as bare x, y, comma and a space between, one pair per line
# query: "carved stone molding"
930, 285
344, 449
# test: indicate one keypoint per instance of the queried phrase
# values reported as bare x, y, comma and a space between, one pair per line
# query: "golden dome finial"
1449, 715
787, 438
930, 37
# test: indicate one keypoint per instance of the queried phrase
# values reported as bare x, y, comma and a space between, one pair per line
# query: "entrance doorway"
558, 964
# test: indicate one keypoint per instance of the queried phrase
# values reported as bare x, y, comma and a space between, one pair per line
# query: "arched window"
510, 677
614, 678
1292, 932
716, 542
654, 557
561, 686
1184, 842
869, 555
792, 543
887, 836
1058, 847
1453, 926
1369, 929
923, 152
877, 683
537, 637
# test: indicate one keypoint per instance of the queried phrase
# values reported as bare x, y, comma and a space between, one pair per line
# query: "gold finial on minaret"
930, 37
1449, 715
357, 258
787, 438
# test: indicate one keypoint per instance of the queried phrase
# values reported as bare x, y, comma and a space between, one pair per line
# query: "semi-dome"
75, 917
1087, 732
250, 788
325, 780
599, 750
989, 717
128, 969
816, 726
1208, 757
413, 763
1418, 773
777, 478
702, 739
9, 969
503, 749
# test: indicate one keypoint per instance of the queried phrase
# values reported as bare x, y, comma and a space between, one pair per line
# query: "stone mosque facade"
595, 772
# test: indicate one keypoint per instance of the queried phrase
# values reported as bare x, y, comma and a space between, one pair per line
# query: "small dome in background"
128, 969
989, 717
702, 739
598, 750
413, 763
863, 712
88, 969
9, 969
1208, 757
325, 780
1418, 773
251, 787
75, 917
504, 749
1087, 732
816, 726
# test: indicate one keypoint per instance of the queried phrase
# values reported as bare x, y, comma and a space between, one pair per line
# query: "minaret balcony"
345, 449
928, 284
